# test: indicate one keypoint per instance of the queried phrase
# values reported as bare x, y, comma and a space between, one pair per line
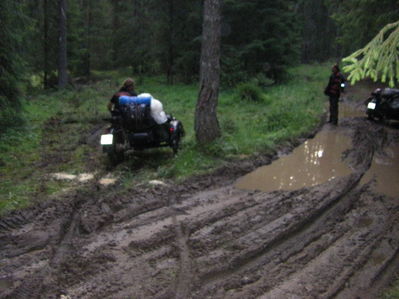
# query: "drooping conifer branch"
379, 59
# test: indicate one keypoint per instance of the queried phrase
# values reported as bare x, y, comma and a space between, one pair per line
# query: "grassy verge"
59, 125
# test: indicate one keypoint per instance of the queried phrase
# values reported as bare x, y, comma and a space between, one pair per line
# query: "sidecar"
133, 127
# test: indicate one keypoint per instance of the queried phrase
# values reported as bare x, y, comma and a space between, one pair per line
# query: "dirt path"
207, 239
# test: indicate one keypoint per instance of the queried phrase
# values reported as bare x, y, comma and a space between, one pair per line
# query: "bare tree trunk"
45, 45
139, 14
170, 59
88, 38
62, 52
206, 123
115, 28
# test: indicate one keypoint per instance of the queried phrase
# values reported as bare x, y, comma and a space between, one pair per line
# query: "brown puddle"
316, 161
386, 171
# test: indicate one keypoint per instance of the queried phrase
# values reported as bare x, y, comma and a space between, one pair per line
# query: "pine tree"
318, 31
359, 21
62, 50
10, 62
260, 37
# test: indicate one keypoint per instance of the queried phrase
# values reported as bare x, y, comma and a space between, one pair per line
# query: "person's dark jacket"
333, 88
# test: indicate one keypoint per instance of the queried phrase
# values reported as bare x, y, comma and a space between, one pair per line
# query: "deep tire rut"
186, 274
206, 239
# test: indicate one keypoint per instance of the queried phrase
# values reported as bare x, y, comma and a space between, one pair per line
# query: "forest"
50, 44
93, 207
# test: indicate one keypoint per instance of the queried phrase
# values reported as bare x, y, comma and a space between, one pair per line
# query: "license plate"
107, 139
371, 106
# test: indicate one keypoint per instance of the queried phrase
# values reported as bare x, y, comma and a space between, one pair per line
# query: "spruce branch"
378, 59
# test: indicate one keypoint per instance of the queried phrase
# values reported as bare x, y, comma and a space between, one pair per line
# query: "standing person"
127, 89
333, 90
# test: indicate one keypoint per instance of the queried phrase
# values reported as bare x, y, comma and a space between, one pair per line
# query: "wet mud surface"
205, 238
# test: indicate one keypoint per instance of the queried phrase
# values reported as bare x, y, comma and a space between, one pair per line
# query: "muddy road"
206, 238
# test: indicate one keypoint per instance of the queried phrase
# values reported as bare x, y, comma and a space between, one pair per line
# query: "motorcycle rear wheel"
116, 157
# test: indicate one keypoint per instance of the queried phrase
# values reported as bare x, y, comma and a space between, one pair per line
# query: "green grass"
22, 149
57, 122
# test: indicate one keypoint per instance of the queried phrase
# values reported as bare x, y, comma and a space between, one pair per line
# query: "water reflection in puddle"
316, 161
386, 171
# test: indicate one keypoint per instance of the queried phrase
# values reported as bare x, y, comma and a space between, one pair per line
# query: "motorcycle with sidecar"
383, 104
133, 128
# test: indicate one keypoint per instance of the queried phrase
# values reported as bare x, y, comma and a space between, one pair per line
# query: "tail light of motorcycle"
171, 129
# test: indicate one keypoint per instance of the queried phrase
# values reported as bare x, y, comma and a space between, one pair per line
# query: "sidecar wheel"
175, 144
370, 116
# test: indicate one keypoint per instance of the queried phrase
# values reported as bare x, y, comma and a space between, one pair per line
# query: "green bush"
250, 92
233, 70
262, 81
9, 115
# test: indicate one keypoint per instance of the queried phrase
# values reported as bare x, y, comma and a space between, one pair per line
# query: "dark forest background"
260, 39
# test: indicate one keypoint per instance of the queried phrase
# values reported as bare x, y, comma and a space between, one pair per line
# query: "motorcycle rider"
127, 89
156, 107
333, 91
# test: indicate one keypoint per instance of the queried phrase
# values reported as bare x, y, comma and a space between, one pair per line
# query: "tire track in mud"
258, 241
186, 275
297, 237
345, 255
31, 287
208, 239
12, 222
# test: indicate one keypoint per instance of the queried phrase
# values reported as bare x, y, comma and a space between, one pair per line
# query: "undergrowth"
60, 127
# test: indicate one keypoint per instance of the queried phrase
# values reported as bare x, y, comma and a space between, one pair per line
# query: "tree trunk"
45, 45
206, 123
139, 19
115, 28
170, 59
87, 57
62, 52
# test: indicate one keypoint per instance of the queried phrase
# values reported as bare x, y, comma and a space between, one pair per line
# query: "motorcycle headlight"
342, 85
371, 105
107, 139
